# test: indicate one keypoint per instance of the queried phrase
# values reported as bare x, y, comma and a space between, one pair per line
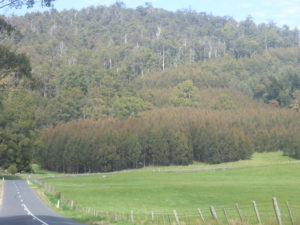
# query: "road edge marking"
32, 215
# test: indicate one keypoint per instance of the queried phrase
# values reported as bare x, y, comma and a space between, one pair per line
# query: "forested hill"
87, 61
135, 41
197, 75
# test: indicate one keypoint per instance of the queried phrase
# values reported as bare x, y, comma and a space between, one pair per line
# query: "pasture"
161, 190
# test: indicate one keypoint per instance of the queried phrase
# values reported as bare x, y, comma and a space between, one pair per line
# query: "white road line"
27, 210
33, 216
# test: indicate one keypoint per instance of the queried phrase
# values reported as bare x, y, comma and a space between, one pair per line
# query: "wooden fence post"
176, 218
201, 215
256, 212
169, 217
290, 213
277, 211
187, 220
239, 211
152, 217
213, 213
131, 216
226, 216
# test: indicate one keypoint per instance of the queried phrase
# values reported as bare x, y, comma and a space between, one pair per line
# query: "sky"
282, 12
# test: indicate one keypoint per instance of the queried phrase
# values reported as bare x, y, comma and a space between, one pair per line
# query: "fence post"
57, 204
176, 218
201, 215
152, 217
290, 213
226, 216
169, 217
131, 216
187, 220
239, 211
277, 211
213, 213
256, 212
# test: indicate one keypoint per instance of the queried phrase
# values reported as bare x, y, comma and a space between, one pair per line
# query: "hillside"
139, 67
88, 61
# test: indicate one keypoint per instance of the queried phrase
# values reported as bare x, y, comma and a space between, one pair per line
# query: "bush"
12, 169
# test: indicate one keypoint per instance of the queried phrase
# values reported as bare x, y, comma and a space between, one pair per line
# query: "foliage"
127, 106
13, 64
272, 76
12, 169
111, 54
185, 94
167, 136
112, 64
224, 102
5, 27
17, 135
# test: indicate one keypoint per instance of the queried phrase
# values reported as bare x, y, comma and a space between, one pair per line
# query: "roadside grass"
51, 200
10, 177
144, 191
38, 172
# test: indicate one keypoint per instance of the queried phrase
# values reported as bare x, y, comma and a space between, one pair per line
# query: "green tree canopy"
185, 94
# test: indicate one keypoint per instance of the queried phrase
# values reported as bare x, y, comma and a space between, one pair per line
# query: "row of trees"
168, 136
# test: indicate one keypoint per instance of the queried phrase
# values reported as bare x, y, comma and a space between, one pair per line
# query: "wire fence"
263, 213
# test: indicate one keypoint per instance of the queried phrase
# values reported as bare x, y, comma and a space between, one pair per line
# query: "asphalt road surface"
20, 206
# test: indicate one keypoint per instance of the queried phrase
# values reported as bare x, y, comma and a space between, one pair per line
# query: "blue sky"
279, 11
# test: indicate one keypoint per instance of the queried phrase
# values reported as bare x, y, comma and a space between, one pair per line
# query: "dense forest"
147, 86
169, 136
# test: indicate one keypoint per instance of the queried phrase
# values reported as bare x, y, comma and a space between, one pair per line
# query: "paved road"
20, 206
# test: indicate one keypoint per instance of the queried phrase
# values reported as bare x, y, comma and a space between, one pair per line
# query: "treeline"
172, 136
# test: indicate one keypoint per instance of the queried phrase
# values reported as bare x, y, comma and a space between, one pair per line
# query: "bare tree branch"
21, 3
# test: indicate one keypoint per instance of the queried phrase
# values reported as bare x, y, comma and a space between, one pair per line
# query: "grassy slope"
258, 159
144, 190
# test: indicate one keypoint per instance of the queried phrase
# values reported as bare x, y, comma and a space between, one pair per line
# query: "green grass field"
267, 175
